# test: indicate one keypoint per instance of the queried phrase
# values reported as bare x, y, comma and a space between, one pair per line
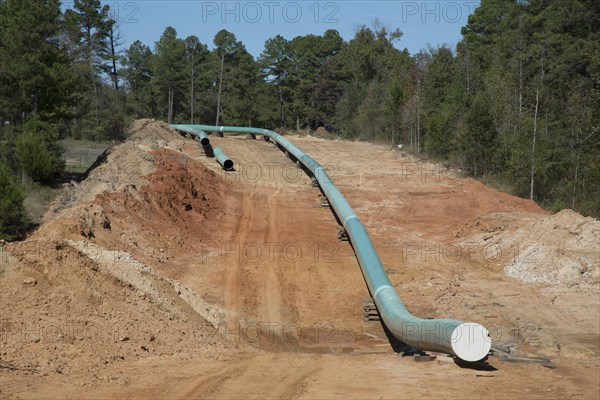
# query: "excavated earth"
161, 276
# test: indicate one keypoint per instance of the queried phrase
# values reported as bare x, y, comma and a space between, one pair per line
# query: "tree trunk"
418, 133
113, 56
535, 117
192, 94
520, 88
170, 112
281, 104
418, 126
575, 180
220, 88
95, 90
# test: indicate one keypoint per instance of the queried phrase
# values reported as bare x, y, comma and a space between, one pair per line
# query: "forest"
515, 103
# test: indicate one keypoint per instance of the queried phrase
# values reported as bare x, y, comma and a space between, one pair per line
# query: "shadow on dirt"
482, 365
208, 151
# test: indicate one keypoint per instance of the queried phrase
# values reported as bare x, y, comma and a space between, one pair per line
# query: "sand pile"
563, 249
559, 250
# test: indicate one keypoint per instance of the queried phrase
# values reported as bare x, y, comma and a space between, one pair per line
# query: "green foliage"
240, 89
137, 71
377, 83
197, 57
478, 139
275, 65
311, 83
440, 141
519, 99
91, 37
38, 151
34, 72
89, 24
12, 214
439, 75
225, 43
169, 72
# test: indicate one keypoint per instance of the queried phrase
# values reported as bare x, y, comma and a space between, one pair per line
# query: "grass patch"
80, 154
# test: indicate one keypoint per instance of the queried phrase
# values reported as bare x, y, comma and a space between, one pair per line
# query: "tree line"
515, 102
58, 79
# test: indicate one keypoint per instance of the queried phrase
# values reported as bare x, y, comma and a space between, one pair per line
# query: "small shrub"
38, 151
12, 213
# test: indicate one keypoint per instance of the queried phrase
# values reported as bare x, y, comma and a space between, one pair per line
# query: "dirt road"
162, 276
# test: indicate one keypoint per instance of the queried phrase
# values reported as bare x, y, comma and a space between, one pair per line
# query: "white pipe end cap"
471, 341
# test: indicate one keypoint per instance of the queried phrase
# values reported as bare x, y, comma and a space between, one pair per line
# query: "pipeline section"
467, 340
193, 130
225, 162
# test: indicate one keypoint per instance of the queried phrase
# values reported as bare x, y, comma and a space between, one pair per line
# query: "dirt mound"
178, 198
561, 249
88, 277
88, 308
322, 133
151, 132
124, 164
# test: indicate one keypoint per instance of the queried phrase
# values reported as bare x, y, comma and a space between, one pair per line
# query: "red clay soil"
179, 200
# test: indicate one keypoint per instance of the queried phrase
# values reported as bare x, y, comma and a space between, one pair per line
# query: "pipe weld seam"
379, 289
349, 217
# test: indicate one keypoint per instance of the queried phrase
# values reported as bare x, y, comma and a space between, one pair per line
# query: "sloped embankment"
83, 293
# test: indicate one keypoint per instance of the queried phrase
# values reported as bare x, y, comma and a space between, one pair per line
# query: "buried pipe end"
471, 341
228, 165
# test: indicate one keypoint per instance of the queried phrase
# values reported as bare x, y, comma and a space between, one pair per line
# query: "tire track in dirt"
256, 289
205, 386
295, 383
269, 377
232, 273
272, 287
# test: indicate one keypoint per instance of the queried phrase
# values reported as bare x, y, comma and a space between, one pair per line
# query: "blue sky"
423, 22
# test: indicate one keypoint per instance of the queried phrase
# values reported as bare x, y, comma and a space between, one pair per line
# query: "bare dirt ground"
161, 276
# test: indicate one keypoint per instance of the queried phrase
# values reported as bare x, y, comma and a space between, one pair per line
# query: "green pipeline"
225, 162
467, 340
200, 135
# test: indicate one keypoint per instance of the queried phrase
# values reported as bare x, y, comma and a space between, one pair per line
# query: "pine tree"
275, 65
137, 71
169, 71
94, 42
225, 46
197, 65
38, 151
35, 71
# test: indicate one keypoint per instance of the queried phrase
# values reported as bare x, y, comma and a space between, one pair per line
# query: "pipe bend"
468, 341
199, 134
